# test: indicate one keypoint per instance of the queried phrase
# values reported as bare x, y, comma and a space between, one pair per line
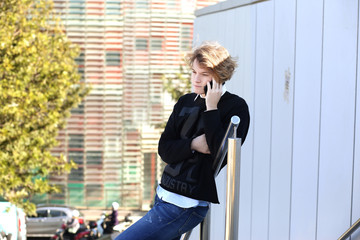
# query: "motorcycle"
120, 227
89, 233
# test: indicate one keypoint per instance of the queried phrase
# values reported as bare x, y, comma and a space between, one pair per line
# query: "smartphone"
206, 88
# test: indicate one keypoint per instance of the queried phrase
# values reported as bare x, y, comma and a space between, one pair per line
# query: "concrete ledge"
226, 5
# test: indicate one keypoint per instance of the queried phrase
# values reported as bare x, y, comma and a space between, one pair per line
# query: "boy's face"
199, 77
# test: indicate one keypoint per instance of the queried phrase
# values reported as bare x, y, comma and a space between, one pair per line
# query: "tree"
177, 85
39, 84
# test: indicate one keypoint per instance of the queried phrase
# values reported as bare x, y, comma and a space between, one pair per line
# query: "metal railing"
350, 231
230, 145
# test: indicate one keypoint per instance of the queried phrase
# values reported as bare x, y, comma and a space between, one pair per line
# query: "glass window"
59, 195
141, 44
77, 157
42, 213
80, 60
142, 4
156, 44
94, 157
56, 213
76, 10
186, 38
112, 58
76, 7
79, 109
113, 8
94, 190
77, 174
171, 3
76, 140
81, 71
149, 169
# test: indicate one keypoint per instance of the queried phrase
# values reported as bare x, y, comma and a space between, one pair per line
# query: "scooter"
89, 233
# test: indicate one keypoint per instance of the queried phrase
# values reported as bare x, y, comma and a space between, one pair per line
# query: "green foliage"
177, 85
39, 84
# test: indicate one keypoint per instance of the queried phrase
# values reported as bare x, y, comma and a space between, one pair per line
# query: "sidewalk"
109, 236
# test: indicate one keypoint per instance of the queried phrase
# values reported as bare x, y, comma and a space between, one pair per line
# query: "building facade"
126, 49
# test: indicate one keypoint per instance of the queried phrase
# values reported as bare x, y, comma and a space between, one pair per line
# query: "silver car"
49, 218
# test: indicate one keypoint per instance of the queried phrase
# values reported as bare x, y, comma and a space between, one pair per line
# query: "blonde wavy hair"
216, 58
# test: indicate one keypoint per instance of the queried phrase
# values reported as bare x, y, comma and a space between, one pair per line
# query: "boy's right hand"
199, 144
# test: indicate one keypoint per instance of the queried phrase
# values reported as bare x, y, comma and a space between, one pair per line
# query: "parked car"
49, 219
12, 222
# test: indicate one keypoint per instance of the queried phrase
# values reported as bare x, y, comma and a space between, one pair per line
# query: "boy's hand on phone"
213, 95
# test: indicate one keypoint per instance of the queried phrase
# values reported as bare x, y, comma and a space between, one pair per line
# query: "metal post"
187, 235
232, 189
219, 159
205, 226
222, 151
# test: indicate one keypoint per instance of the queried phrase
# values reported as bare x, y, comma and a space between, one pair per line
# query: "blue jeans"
164, 221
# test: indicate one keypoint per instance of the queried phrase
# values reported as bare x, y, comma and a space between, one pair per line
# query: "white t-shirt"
179, 200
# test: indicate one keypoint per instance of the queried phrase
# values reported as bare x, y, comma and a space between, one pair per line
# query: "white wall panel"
261, 120
223, 31
356, 167
337, 117
204, 29
306, 119
282, 120
243, 85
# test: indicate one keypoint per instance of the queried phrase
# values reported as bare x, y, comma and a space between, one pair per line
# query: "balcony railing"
231, 145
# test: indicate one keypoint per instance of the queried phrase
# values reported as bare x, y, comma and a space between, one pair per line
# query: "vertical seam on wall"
253, 148
319, 146
271, 123
293, 117
355, 107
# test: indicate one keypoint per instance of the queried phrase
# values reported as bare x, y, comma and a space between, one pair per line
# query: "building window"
76, 141
113, 8
79, 109
156, 44
149, 170
142, 4
112, 59
77, 7
81, 71
59, 195
80, 60
141, 44
94, 157
94, 191
171, 3
77, 174
77, 157
186, 38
